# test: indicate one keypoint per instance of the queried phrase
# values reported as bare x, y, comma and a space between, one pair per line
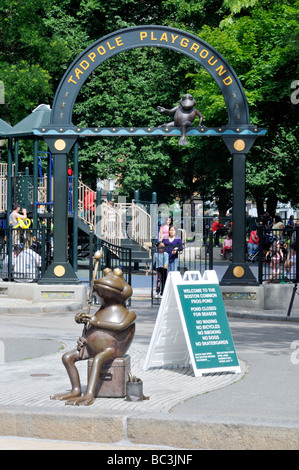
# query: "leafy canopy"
259, 38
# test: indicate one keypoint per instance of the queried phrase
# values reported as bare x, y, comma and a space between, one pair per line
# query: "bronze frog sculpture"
184, 115
107, 335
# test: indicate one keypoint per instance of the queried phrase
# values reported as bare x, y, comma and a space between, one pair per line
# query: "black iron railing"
113, 256
25, 254
277, 255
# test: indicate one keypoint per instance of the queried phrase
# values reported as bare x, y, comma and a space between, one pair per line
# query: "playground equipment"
106, 221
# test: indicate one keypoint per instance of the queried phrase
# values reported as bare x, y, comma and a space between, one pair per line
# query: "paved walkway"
216, 411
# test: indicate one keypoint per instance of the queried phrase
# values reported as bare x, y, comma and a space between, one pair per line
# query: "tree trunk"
272, 204
260, 205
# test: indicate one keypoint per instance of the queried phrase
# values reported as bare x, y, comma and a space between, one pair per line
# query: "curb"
86, 426
261, 316
28, 307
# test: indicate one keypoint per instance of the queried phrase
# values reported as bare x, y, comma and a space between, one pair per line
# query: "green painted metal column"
16, 156
239, 207
60, 270
60, 216
239, 272
9, 176
98, 213
35, 181
75, 202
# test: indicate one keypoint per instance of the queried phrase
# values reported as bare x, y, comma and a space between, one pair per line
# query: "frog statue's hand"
161, 109
81, 343
82, 317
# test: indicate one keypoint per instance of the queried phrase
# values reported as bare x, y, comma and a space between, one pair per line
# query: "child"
227, 244
275, 254
160, 262
253, 241
290, 264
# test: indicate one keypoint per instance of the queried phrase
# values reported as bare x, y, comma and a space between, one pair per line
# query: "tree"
31, 54
259, 40
125, 91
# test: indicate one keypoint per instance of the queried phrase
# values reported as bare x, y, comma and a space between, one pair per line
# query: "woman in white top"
164, 229
278, 227
15, 215
13, 221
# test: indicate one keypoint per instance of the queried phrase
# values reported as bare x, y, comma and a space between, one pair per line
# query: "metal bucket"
134, 391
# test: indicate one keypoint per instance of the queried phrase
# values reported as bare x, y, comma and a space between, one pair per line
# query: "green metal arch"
149, 36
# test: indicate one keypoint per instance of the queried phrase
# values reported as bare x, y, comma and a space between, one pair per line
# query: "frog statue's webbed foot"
183, 141
66, 396
86, 399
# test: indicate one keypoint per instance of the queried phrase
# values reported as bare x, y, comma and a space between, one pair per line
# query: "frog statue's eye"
107, 271
117, 272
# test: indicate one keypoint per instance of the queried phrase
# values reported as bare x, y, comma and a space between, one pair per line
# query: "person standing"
15, 223
291, 223
160, 263
253, 242
278, 227
89, 206
111, 219
290, 264
217, 230
16, 214
173, 245
164, 229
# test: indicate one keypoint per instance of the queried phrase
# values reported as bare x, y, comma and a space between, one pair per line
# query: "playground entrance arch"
61, 134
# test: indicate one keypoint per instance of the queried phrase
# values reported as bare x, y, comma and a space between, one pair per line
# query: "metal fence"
276, 255
25, 254
113, 256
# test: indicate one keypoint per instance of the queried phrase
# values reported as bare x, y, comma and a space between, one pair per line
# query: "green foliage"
122, 93
260, 42
25, 86
259, 38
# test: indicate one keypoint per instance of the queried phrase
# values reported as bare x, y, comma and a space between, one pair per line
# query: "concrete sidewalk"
250, 410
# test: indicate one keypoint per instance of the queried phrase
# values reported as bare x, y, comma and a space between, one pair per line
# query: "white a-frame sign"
192, 326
